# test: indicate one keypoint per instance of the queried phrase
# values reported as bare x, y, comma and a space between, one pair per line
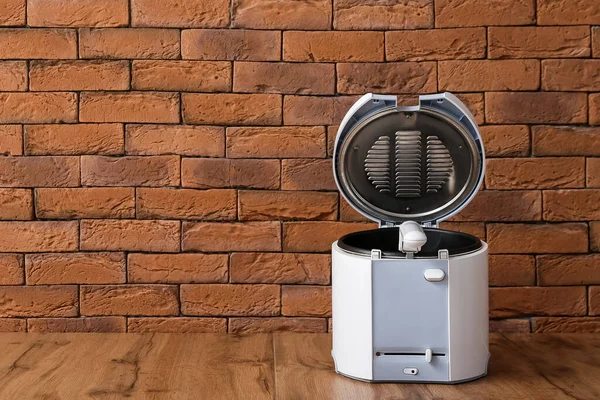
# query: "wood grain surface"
265, 366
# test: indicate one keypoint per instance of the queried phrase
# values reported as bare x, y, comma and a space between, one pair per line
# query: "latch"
411, 238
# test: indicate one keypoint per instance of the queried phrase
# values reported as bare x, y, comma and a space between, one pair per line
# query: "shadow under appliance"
410, 301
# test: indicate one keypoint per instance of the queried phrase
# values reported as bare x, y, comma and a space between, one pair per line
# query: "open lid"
421, 163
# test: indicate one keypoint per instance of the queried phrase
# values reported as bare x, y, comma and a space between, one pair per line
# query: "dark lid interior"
398, 166
386, 240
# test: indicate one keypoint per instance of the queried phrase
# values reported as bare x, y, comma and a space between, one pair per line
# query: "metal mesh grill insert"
405, 172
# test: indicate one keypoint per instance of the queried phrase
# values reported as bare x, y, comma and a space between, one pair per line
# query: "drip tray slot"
387, 353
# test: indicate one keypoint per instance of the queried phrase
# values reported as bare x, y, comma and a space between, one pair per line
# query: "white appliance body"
390, 323
416, 308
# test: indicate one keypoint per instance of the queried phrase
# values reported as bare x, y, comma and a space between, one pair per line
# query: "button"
410, 371
434, 275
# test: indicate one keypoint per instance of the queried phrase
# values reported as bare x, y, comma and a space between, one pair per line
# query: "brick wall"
165, 164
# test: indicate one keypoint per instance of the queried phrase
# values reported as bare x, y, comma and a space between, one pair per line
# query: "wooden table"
265, 366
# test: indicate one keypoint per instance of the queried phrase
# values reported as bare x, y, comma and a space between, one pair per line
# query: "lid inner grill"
413, 174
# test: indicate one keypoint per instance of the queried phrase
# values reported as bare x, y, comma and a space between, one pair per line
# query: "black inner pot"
386, 240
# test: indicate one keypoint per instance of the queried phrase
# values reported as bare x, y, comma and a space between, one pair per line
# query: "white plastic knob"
412, 237
428, 355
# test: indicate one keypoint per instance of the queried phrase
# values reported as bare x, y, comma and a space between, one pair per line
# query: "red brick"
539, 42
207, 141
38, 43
537, 239
130, 235
489, 75
535, 107
510, 326
231, 109
38, 236
144, 43
178, 14
566, 325
312, 110
277, 205
441, 44
186, 76
16, 204
595, 236
79, 325
74, 139
129, 107
77, 13
475, 104
406, 77
517, 205
231, 236
38, 301
36, 108
449, 13
592, 172
309, 301
292, 78
223, 173
510, 302
571, 205
296, 268
75, 268
317, 236
574, 75
511, 270
307, 175
373, 14
568, 270
159, 300
205, 205
79, 75
177, 325
12, 12
562, 12
177, 268
230, 300
594, 300
13, 325
505, 140
276, 142
39, 171
85, 203
11, 269
331, 136
594, 106
565, 141
333, 46
11, 140
230, 45
13, 76
281, 14
476, 229
347, 213
130, 171
535, 173
280, 324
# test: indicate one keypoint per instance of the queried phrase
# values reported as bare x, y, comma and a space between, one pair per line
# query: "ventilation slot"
439, 164
377, 165
408, 164
407, 172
